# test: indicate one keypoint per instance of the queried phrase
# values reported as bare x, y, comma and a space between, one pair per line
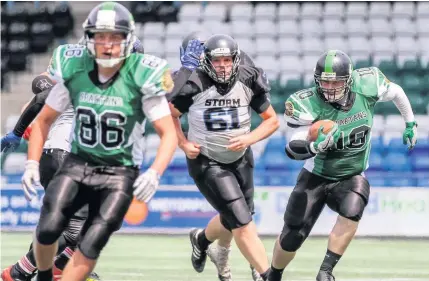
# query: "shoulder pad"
369, 82
246, 60
255, 78
67, 60
302, 108
150, 74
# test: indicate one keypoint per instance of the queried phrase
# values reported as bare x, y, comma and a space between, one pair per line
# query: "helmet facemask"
221, 75
126, 47
333, 93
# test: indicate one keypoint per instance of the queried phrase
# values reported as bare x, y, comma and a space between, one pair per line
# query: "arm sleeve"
156, 107
59, 98
30, 112
396, 94
261, 92
180, 78
298, 148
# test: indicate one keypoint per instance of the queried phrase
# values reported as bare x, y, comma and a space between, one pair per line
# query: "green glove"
325, 141
410, 134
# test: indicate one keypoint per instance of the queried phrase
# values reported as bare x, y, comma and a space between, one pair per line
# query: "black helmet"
221, 45
200, 35
113, 17
334, 65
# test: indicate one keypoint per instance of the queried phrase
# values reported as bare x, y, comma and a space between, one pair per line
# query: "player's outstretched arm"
41, 87
396, 94
268, 126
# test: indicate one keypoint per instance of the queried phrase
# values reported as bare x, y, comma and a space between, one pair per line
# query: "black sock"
276, 274
203, 242
330, 261
264, 275
17, 271
61, 261
46, 275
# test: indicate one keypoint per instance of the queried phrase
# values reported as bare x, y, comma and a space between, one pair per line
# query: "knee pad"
50, 227
236, 214
291, 239
95, 238
71, 234
352, 206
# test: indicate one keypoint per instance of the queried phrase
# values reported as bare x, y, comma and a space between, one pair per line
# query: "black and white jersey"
216, 118
61, 131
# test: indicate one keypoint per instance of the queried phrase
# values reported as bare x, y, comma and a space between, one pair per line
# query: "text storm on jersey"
223, 102
101, 99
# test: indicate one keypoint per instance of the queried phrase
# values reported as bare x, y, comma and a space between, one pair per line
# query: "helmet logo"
105, 19
221, 52
328, 75
289, 109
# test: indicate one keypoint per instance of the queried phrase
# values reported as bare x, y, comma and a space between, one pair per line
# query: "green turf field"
163, 258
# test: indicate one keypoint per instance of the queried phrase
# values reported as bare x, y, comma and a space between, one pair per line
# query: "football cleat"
219, 256
198, 256
325, 276
93, 277
6, 275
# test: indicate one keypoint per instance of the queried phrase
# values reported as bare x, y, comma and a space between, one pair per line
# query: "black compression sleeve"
180, 80
299, 150
30, 112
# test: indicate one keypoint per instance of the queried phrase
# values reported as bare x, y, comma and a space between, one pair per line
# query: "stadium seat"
265, 11
375, 178
291, 65
218, 28
214, 12
288, 11
336, 43
334, 10
190, 12
380, 27
156, 46
63, 18
359, 46
421, 26
403, 10
288, 29
241, 11
267, 62
377, 144
291, 83
13, 165
265, 29
180, 178
289, 46
294, 165
423, 124
422, 10
379, 10
242, 29
401, 180
247, 45
404, 27
41, 37
153, 30
18, 55
18, 31
175, 30
276, 143
356, 10
334, 27
396, 146
311, 10
396, 162
375, 161
420, 161
394, 123
357, 27
378, 124
275, 161
309, 63
312, 46
422, 182
311, 28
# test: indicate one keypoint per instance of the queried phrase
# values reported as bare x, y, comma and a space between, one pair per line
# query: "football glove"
190, 57
325, 141
146, 185
410, 134
10, 142
30, 179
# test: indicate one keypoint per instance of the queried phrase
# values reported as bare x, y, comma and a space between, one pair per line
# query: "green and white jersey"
351, 155
109, 117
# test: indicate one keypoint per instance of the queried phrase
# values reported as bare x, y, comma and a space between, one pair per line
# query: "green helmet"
110, 17
335, 67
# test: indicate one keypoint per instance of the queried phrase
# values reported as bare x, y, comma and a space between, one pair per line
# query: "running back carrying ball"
327, 126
